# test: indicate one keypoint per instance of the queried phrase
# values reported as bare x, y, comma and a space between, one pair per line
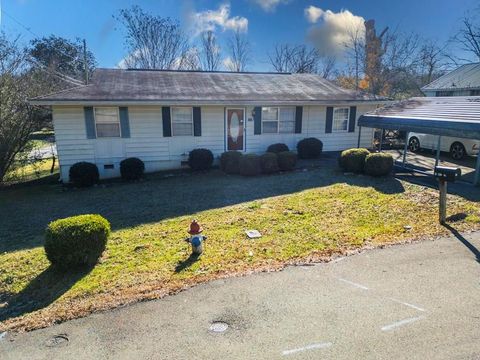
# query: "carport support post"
381, 140
476, 180
359, 135
442, 186
437, 159
405, 149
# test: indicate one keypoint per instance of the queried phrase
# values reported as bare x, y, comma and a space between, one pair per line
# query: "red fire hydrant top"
195, 228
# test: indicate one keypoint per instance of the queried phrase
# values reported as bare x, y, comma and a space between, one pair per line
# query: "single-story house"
159, 116
463, 81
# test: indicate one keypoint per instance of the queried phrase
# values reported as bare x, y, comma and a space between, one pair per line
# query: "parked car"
457, 147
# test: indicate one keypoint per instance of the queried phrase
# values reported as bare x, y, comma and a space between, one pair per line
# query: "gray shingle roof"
465, 77
150, 86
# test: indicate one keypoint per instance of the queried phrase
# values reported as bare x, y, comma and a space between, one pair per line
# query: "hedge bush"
287, 160
353, 160
250, 165
269, 163
378, 164
76, 241
132, 168
309, 148
276, 148
200, 159
230, 162
84, 174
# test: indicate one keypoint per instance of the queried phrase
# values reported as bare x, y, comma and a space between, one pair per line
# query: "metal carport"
442, 116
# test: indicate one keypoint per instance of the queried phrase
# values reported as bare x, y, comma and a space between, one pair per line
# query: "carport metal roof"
457, 116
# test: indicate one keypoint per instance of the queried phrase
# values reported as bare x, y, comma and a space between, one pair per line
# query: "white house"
160, 116
463, 81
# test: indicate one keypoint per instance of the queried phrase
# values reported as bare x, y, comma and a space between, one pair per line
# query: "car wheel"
457, 151
414, 144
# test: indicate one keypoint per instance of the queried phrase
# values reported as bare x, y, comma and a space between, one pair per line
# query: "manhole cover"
218, 326
57, 340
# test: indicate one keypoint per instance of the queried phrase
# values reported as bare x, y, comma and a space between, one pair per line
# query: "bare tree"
239, 51
432, 62
355, 51
469, 37
17, 117
152, 42
300, 59
210, 53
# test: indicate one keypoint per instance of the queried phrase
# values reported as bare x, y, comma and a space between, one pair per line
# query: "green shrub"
76, 241
200, 159
287, 160
250, 165
309, 148
84, 174
276, 148
230, 162
132, 168
269, 163
378, 164
353, 160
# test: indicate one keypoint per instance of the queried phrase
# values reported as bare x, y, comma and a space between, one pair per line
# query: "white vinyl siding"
107, 122
340, 119
278, 120
182, 121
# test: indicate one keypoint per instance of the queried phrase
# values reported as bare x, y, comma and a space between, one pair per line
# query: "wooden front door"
234, 128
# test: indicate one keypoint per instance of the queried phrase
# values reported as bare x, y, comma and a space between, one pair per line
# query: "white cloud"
211, 19
334, 31
270, 5
228, 64
313, 13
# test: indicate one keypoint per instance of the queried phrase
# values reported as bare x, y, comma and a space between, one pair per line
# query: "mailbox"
449, 174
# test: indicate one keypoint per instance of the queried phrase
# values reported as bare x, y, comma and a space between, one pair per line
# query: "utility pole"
85, 61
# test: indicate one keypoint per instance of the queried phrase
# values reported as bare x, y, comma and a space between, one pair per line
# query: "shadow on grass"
182, 265
42, 291
160, 197
465, 242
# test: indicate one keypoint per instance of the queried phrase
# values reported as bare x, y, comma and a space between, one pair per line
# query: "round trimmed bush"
250, 165
84, 174
309, 148
378, 164
353, 160
132, 168
276, 148
287, 160
200, 159
269, 163
230, 162
76, 241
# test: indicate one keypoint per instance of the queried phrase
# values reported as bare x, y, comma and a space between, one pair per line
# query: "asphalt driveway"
416, 301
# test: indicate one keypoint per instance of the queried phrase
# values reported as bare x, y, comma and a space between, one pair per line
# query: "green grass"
303, 216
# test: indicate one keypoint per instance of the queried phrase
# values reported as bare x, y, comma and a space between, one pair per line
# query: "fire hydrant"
196, 238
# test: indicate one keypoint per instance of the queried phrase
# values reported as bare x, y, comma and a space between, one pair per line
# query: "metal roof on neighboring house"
197, 87
457, 116
465, 77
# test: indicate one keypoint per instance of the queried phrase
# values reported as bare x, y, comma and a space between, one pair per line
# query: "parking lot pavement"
417, 301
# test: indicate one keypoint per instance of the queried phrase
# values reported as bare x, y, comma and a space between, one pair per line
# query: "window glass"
106, 122
287, 120
269, 120
182, 121
340, 119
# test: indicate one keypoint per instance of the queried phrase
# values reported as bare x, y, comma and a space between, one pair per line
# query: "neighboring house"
463, 81
160, 116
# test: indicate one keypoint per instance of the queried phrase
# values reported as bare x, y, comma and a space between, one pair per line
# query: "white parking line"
354, 284
308, 347
401, 323
407, 304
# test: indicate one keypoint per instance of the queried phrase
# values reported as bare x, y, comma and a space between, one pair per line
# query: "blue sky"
266, 22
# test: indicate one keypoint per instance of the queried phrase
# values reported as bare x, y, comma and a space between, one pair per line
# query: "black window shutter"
89, 122
329, 122
124, 122
167, 124
298, 119
257, 126
197, 121
353, 117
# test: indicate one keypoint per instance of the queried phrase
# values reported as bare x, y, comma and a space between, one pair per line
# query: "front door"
234, 128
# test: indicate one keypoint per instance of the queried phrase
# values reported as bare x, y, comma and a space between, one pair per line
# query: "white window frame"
278, 119
118, 121
171, 119
348, 119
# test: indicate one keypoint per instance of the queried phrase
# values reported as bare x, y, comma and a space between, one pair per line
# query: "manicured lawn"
303, 216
